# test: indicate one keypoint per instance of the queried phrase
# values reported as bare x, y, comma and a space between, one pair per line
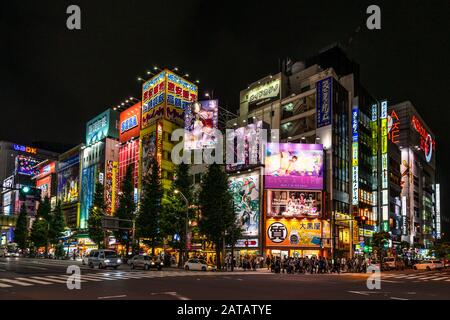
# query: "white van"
104, 259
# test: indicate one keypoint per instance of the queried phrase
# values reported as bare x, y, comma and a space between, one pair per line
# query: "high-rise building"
420, 192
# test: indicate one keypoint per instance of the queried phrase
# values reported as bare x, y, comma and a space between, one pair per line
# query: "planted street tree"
39, 229
216, 205
148, 221
126, 210
21, 231
96, 214
57, 225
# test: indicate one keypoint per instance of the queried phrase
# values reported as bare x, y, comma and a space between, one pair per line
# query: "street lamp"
187, 218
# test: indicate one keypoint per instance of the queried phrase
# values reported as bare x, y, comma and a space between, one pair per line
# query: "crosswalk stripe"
88, 278
63, 277
49, 279
426, 278
33, 280
23, 284
4, 285
441, 278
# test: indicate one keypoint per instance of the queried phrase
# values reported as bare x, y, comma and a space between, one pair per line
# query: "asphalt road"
22, 278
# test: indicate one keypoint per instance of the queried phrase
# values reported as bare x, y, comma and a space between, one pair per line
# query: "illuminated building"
45, 178
164, 99
321, 101
129, 130
99, 162
420, 193
17, 167
69, 186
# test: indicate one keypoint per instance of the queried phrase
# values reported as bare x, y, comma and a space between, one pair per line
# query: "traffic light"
26, 192
361, 220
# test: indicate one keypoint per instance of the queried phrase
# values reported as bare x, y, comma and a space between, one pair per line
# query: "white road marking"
33, 280
441, 278
390, 281
171, 293
49, 279
396, 298
358, 292
112, 297
3, 285
19, 283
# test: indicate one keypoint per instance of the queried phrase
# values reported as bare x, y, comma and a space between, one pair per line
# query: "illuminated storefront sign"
245, 190
427, 144
404, 217
438, 211
324, 101
293, 232
26, 165
355, 155
264, 93
200, 122
130, 123
247, 243
159, 144
102, 126
26, 149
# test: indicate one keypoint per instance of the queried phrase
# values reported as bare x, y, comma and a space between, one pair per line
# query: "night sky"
53, 80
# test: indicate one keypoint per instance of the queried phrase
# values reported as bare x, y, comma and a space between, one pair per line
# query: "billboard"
251, 139
26, 165
45, 184
200, 120
293, 232
180, 94
245, 191
294, 204
153, 97
88, 180
110, 186
294, 166
68, 183
264, 93
130, 120
355, 155
102, 126
148, 152
324, 102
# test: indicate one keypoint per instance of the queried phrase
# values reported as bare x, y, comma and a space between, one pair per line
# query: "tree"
21, 230
441, 250
96, 214
39, 229
380, 241
216, 204
126, 209
232, 235
148, 222
57, 224
174, 217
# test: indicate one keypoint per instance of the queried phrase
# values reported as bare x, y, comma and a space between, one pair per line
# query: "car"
198, 264
429, 265
145, 262
11, 253
103, 259
392, 263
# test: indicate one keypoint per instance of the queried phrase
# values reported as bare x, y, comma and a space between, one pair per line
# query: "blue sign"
324, 102
128, 124
355, 124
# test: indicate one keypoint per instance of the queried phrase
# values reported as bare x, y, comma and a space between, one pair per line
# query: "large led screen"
293, 204
294, 166
245, 190
200, 122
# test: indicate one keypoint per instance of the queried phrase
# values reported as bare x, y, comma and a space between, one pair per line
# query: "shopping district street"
23, 278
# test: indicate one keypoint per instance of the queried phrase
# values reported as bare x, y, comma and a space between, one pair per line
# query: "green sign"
102, 126
385, 226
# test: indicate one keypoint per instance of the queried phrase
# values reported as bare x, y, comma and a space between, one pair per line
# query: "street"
22, 278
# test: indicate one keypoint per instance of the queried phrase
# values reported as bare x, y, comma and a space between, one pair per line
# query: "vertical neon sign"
355, 172
384, 167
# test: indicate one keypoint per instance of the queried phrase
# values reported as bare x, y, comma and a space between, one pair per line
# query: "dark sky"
53, 80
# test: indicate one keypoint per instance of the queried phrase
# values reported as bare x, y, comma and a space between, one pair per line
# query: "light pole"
187, 218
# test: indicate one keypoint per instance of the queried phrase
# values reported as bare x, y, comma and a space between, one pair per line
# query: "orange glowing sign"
394, 127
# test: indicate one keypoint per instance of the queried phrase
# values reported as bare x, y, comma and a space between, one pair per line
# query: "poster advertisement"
148, 152
293, 232
245, 190
245, 144
200, 122
45, 185
294, 166
87, 185
293, 204
26, 165
324, 102
69, 180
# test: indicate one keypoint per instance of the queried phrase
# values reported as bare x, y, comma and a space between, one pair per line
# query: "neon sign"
427, 144
26, 149
355, 155
393, 127
128, 124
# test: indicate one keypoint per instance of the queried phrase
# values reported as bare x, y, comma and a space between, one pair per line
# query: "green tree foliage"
232, 235
216, 204
148, 222
380, 241
126, 209
57, 224
175, 213
39, 230
441, 250
96, 213
21, 230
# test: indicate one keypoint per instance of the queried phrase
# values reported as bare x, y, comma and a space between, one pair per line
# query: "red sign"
394, 127
130, 123
427, 144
